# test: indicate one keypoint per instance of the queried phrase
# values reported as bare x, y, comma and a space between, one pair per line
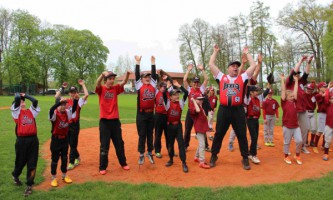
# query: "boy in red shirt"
310, 105
60, 118
289, 121
174, 108
27, 144
201, 127
212, 98
321, 114
329, 120
109, 123
270, 109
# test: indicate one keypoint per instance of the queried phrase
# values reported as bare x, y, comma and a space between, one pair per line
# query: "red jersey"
301, 99
174, 112
159, 103
192, 92
26, 124
108, 101
253, 108
289, 117
231, 89
69, 106
200, 121
270, 106
60, 124
320, 103
146, 97
310, 101
329, 110
212, 101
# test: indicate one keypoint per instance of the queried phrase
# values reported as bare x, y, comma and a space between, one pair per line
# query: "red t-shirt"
191, 94
146, 96
321, 103
301, 99
200, 121
329, 115
253, 109
212, 101
270, 106
159, 103
61, 125
26, 124
69, 106
174, 112
289, 117
310, 101
108, 101
231, 89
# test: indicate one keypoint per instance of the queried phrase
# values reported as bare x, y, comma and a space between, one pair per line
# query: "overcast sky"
146, 27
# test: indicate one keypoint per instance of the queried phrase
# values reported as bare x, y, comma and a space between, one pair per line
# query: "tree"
123, 64
328, 43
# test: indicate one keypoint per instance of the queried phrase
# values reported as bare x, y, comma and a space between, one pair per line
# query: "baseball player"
329, 120
231, 110
270, 109
146, 87
212, 98
109, 123
60, 118
27, 144
311, 104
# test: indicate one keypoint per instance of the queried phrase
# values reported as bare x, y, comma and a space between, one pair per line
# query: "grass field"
308, 189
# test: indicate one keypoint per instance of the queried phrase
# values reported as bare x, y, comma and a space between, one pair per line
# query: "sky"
146, 27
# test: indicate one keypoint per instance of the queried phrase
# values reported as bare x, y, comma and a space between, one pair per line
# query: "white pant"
289, 133
269, 128
200, 153
328, 136
210, 118
312, 126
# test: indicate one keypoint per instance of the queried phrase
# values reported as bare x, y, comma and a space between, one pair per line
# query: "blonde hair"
289, 92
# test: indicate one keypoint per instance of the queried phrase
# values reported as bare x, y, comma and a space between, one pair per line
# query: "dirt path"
228, 171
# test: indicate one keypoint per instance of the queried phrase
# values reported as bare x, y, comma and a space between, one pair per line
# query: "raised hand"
244, 59
304, 57
216, 48
152, 59
81, 82
330, 84
105, 73
64, 84
22, 94
310, 59
200, 67
164, 77
138, 58
245, 50
282, 76
260, 58
190, 67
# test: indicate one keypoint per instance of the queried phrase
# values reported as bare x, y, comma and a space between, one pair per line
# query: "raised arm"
244, 61
295, 87
61, 90
128, 72
213, 68
55, 106
308, 65
85, 91
153, 68
197, 109
202, 69
17, 100
137, 67
32, 99
189, 68
253, 65
100, 79
175, 83
258, 67
283, 88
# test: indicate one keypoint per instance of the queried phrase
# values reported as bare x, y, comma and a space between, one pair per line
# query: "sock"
63, 175
285, 155
53, 177
297, 154
312, 138
316, 140
326, 150
323, 141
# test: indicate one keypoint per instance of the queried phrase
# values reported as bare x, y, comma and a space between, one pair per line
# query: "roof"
172, 74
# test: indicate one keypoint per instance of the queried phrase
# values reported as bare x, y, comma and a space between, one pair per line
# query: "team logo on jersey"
256, 108
63, 124
108, 95
174, 113
148, 95
160, 101
232, 89
26, 120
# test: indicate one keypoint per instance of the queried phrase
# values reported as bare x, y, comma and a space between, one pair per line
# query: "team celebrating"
159, 110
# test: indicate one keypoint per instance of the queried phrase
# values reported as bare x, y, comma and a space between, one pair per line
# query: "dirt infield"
228, 171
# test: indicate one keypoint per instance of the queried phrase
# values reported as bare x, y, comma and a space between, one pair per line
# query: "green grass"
308, 189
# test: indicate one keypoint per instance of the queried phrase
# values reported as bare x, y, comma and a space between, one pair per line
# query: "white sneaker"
304, 150
254, 159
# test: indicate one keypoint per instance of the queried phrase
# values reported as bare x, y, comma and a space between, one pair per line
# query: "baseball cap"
270, 91
235, 62
322, 84
110, 73
196, 79
73, 89
174, 91
295, 73
253, 88
310, 86
198, 97
144, 74
162, 84
211, 89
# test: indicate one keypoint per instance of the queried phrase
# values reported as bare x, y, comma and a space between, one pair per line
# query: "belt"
173, 123
59, 136
310, 111
252, 117
149, 110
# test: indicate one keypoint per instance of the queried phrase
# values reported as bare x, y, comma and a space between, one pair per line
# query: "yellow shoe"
54, 183
315, 150
67, 179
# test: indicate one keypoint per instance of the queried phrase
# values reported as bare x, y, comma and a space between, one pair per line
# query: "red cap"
322, 84
310, 86
270, 91
198, 96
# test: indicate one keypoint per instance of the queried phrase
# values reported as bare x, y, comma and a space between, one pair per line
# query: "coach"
231, 109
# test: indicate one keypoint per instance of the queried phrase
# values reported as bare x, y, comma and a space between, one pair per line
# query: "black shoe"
246, 164
312, 144
213, 160
141, 159
17, 181
169, 163
208, 149
150, 158
185, 168
28, 191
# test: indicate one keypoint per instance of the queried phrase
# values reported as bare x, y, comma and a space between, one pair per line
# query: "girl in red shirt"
329, 120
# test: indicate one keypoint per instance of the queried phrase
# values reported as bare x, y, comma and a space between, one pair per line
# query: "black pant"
110, 129
188, 129
145, 126
73, 139
236, 117
176, 132
26, 150
160, 126
253, 126
59, 148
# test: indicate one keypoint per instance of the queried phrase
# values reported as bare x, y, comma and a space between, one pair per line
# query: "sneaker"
231, 147
246, 164
54, 183
208, 149
70, 166
312, 144
287, 160
298, 160
211, 138
169, 163
126, 167
150, 158
66, 179
330, 150
77, 161
196, 159
254, 159
141, 159
158, 155
17, 181
267, 144
204, 165
315, 150
325, 157
271, 144
213, 160
304, 150
185, 168
28, 191
102, 172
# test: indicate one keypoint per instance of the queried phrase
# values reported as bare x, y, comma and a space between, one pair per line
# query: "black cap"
235, 62
110, 73
295, 73
174, 91
144, 74
196, 79
162, 84
253, 88
73, 89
